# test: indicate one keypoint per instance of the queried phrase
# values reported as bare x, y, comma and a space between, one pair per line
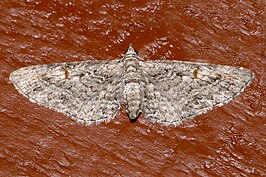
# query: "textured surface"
165, 91
229, 141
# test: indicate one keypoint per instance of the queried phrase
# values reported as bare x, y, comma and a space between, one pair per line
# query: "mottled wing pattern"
88, 91
176, 91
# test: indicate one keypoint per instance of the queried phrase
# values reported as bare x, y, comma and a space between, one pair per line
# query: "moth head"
131, 51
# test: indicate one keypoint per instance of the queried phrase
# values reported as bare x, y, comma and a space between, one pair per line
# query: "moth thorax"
131, 65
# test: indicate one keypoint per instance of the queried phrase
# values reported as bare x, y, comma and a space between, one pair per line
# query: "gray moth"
165, 91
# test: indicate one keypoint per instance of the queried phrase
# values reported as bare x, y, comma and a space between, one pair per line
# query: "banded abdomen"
133, 88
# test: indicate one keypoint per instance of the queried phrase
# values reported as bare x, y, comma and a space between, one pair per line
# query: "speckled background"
228, 141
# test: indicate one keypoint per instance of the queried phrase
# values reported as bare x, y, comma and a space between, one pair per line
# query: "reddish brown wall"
229, 141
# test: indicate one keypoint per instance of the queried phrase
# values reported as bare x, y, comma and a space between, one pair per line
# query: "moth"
168, 92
